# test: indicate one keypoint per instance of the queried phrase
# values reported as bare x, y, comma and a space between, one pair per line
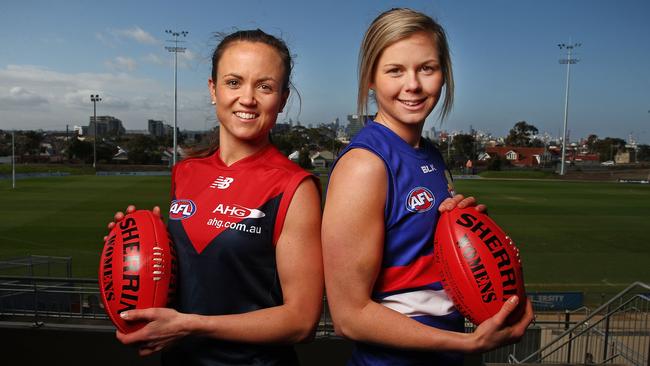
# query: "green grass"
48, 168
67, 216
573, 236
518, 174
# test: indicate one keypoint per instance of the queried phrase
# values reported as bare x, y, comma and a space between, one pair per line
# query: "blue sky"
505, 55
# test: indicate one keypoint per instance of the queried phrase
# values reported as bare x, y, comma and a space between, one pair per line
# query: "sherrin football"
137, 268
479, 264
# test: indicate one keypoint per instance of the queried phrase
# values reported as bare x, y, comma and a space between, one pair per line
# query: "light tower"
95, 98
568, 61
13, 159
175, 49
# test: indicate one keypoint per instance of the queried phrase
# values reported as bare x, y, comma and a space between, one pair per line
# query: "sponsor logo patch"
181, 209
420, 199
238, 211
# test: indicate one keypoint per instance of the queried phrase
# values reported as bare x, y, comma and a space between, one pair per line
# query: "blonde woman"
384, 196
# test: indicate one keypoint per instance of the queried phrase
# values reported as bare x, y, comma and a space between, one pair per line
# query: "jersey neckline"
244, 162
399, 143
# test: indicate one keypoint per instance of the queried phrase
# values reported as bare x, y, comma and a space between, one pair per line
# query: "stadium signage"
557, 300
494, 245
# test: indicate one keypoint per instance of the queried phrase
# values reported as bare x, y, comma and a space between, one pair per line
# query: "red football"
137, 269
479, 264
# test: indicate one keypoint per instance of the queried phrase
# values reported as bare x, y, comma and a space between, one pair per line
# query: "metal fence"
618, 332
33, 298
37, 265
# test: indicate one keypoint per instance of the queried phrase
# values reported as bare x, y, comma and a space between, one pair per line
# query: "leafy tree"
591, 143
300, 137
143, 149
447, 150
464, 147
303, 160
608, 147
521, 134
81, 150
643, 153
497, 163
5, 143
28, 142
105, 152
284, 142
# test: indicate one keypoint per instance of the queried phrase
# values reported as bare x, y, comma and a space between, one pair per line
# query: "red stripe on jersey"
417, 274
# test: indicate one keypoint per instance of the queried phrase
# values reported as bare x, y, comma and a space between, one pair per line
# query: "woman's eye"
266, 87
429, 68
232, 83
394, 71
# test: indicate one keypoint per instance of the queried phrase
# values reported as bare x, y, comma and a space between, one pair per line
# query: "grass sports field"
573, 236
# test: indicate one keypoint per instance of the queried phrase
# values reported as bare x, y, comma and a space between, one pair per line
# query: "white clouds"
114, 37
186, 60
19, 97
138, 34
121, 63
153, 58
33, 97
188, 55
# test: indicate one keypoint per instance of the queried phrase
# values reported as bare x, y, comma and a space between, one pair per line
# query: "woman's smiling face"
249, 91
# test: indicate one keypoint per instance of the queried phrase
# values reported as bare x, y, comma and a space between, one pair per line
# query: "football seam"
149, 264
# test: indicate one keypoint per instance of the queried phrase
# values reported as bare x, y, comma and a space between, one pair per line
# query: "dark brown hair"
226, 40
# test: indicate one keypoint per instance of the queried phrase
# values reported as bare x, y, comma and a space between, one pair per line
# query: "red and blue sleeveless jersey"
418, 181
225, 222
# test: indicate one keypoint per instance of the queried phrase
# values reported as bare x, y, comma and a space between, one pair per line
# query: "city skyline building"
106, 126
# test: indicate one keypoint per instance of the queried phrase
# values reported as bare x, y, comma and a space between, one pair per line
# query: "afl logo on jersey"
181, 209
419, 200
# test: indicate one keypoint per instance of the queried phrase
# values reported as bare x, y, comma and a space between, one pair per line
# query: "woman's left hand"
461, 202
164, 327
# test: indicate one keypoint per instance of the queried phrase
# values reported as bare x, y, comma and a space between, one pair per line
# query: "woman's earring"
213, 102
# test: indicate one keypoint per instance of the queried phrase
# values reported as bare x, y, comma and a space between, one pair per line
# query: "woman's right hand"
496, 331
119, 216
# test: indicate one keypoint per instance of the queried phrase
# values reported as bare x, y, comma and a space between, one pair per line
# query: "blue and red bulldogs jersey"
418, 181
225, 222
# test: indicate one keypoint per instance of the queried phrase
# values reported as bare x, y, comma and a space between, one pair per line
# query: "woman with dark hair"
383, 199
248, 241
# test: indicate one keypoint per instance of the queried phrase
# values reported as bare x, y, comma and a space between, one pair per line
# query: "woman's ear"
285, 97
213, 91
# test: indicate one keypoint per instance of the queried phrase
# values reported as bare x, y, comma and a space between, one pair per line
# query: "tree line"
149, 149
465, 147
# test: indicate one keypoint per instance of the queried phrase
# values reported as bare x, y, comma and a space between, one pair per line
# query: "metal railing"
37, 298
75, 301
617, 332
37, 265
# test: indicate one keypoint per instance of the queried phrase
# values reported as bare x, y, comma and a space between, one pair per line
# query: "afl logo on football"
419, 200
181, 209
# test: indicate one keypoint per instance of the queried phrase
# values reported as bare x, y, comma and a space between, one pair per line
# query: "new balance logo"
222, 182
